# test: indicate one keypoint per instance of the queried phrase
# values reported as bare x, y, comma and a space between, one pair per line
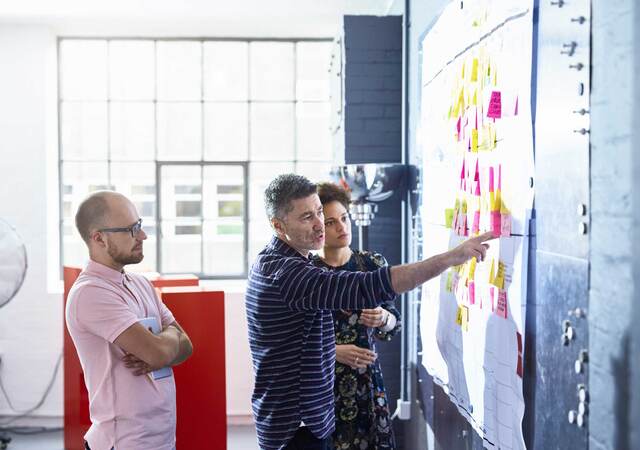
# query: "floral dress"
362, 408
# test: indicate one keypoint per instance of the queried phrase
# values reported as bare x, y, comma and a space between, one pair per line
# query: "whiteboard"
476, 139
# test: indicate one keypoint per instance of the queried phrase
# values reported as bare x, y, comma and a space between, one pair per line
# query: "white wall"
31, 324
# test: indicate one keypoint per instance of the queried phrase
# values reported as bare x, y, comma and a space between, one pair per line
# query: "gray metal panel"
561, 284
562, 154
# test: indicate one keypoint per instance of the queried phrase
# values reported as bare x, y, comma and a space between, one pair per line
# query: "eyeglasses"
133, 229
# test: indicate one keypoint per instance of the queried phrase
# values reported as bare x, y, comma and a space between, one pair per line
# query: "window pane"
83, 71
272, 71
188, 208
188, 189
312, 70
223, 248
132, 129
226, 71
228, 202
232, 208
85, 177
188, 229
312, 132
179, 131
138, 182
180, 185
84, 130
272, 131
229, 189
226, 134
179, 70
131, 70
181, 249
314, 171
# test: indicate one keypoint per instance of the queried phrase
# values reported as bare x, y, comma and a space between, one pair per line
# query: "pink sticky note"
496, 223
472, 293
505, 225
476, 222
515, 112
495, 105
458, 126
502, 304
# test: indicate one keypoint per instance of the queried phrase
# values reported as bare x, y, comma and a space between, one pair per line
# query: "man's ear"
278, 226
97, 238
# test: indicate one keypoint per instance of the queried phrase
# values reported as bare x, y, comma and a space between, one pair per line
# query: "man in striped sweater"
289, 303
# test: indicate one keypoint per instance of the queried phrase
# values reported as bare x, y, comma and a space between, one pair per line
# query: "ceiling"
278, 18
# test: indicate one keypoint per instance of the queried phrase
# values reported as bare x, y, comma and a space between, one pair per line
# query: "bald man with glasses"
132, 403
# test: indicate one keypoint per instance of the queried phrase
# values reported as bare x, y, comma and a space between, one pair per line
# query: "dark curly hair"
282, 190
330, 192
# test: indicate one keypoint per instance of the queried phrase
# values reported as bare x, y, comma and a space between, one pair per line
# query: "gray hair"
282, 190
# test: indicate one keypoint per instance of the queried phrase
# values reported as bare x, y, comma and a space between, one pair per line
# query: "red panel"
201, 380
175, 280
76, 403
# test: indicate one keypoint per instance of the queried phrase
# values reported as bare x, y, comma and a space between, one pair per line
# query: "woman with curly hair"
362, 409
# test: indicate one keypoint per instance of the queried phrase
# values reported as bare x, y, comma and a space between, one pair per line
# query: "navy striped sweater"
291, 335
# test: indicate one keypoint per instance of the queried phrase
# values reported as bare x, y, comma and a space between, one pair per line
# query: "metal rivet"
581, 131
583, 395
565, 340
559, 3
570, 48
530, 182
577, 366
565, 325
465, 433
572, 416
582, 209
578, 66
582, 408
580, 88
570, 333
583, 356
582, 228
581, 420
579, 20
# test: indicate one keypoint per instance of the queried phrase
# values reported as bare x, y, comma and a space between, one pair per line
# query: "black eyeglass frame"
133, 229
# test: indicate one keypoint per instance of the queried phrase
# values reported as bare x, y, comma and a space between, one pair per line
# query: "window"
191, 131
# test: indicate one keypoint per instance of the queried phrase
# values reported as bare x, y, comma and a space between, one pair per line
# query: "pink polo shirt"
127, 412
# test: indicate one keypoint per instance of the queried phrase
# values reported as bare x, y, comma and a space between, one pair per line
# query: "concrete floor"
239, 437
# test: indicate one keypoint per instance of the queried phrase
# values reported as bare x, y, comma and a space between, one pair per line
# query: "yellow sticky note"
498, 281
474, 140
462, 317
491, 271
474, 70
450, 281
459, 315
472, 268
448, 217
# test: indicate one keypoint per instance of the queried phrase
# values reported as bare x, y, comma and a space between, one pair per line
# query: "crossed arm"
146, 351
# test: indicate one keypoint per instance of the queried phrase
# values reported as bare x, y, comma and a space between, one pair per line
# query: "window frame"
295, 160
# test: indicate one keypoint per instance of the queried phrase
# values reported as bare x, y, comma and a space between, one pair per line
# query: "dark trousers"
305, 440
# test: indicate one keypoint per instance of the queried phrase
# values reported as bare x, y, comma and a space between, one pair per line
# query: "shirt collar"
277, 245
102, 271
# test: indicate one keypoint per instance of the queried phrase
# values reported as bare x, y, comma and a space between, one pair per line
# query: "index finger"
488, 236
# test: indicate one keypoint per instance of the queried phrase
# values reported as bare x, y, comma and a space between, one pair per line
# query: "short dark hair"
330, 192
282, 190
92, 213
